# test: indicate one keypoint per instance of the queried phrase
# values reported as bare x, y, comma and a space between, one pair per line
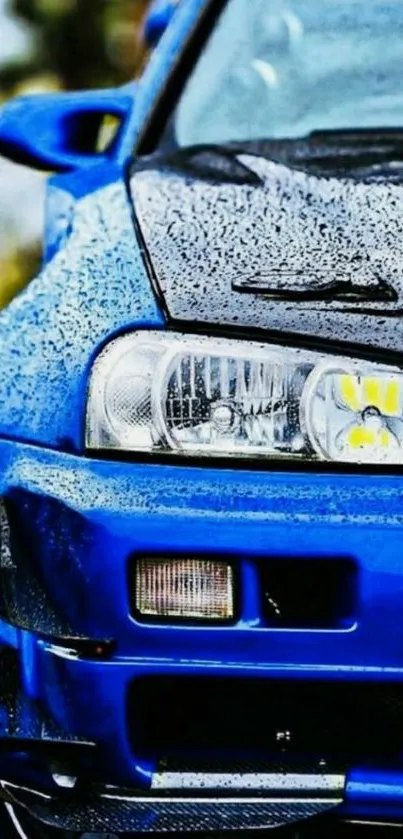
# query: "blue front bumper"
84, 520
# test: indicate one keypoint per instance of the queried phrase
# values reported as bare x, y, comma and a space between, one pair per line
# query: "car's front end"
202, 606
296, 710
128, 702
236, 658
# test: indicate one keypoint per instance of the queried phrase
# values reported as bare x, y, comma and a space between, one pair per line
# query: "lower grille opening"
308, 593
169, 716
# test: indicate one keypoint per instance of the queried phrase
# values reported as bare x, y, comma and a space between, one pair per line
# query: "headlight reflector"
173, 393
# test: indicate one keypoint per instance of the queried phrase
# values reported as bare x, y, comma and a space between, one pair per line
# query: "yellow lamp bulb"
355, 393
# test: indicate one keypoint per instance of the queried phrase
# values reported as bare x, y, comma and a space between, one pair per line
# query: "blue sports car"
201, 434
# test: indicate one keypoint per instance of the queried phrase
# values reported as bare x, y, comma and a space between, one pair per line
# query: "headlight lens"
168, 392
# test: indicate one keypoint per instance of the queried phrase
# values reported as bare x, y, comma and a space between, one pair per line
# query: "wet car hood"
244, 238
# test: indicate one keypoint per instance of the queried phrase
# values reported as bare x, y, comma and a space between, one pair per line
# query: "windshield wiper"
210, 162
352, 148
353, 135
373, 153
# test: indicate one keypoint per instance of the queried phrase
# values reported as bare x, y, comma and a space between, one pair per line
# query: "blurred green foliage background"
54, 45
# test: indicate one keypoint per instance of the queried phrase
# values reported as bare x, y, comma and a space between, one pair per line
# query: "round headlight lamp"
166, 392
351, 414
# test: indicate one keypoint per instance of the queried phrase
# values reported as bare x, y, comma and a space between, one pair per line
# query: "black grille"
344, 720
308, 593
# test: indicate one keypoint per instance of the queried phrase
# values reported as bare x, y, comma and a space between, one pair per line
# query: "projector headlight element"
164, 392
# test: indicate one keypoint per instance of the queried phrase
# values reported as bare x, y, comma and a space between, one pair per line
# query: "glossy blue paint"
94, 287
93, 267
9, 635
46, 130
120, 509
29, 666
375, 786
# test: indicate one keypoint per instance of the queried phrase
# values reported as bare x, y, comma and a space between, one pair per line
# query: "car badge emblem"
316, 287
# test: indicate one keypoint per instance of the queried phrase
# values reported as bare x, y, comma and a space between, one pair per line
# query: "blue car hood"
239, 239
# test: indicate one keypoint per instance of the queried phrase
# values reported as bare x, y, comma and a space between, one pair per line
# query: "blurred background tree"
55, 45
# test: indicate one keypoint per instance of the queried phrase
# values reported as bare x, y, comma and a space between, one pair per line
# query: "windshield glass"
284, 68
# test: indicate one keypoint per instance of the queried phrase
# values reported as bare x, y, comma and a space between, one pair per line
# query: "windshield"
285, 68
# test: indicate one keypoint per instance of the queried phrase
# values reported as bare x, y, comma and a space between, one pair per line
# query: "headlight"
172, 393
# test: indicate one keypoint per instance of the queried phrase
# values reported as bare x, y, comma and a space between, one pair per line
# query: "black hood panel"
242, 240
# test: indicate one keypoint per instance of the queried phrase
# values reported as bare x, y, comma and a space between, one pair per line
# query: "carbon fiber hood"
245, 238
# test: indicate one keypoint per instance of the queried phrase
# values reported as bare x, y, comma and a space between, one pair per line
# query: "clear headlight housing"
166, 392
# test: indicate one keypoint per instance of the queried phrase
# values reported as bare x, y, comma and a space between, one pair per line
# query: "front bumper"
75, 524
295, 797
